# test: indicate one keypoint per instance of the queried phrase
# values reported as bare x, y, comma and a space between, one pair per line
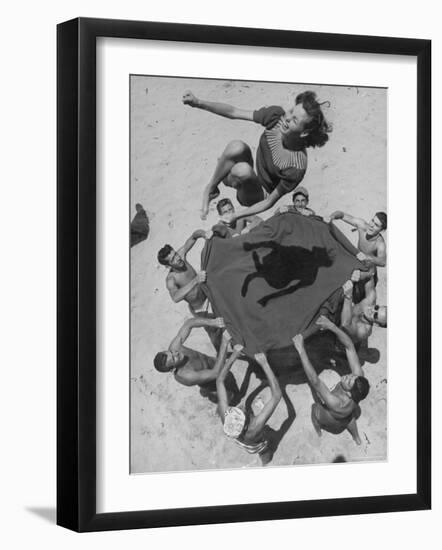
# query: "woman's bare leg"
243, 178
235, 152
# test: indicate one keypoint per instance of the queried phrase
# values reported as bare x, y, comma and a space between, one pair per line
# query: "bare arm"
221, 109
209, 375
250, 222
381, 255
346, 341
363, 331
355, 222
179, 293
275, 396
347, 307
221, 391
176, 293
190, 243
370, 293
190, 324
284, 209
261, 206
317, 384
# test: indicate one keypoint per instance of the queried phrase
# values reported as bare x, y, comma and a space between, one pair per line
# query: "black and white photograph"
258, 274
223, 203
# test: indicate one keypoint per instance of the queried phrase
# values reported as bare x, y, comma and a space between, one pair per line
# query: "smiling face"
294, 120
300, 202
175, 261
374, 227
376, 314
226, 209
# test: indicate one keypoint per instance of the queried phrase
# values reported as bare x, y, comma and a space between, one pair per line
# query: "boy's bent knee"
242, 171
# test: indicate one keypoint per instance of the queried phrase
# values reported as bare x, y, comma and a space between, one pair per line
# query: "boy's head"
377, 224
165, 361
376, 315
224, 207
305, 120
360, 389
300, 198
357, 386
168, 257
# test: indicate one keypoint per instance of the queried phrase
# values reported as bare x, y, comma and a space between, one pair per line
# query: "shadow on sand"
139, 227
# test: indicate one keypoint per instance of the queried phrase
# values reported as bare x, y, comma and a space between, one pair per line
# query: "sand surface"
174, 149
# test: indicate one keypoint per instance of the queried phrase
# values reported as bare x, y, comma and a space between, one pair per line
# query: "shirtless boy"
358, 319
337, 409
191, 367
244, 427
281, 158
371, 243
226, 209
182, 281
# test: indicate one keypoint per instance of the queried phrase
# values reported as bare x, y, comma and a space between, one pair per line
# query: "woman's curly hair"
318, 128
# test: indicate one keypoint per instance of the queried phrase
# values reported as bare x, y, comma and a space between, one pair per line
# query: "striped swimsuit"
276, 166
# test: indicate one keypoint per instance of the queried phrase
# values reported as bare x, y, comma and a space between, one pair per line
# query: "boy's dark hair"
160, 361
163, 253
318, 127
382, 217
222, 203
360, 389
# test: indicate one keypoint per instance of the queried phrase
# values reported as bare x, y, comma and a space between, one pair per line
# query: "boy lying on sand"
191, 367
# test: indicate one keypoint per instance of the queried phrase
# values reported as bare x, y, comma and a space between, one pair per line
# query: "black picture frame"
77, 287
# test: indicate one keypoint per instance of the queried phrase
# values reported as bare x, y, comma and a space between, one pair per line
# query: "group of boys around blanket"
281, 163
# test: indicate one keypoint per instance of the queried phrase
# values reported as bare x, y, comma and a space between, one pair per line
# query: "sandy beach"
174, 149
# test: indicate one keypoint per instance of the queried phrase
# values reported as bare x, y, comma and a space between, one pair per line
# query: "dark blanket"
269, 284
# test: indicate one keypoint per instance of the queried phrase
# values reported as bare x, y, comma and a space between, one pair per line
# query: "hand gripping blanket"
270, 283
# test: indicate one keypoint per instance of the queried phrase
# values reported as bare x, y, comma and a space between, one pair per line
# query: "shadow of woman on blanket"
284, 265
